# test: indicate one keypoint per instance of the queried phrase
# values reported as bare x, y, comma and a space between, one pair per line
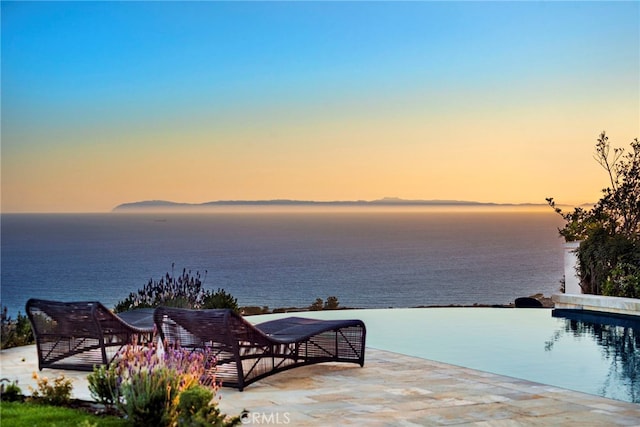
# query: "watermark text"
265, 418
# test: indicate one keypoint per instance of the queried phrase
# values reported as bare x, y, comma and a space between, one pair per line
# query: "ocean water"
368, 259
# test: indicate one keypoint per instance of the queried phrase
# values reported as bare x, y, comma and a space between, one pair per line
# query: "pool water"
596, 358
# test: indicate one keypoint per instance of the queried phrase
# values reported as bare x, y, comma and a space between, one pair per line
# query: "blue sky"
311, 100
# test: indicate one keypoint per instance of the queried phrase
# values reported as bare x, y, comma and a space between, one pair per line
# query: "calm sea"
366, 259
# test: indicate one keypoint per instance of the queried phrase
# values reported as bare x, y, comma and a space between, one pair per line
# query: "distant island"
153, 205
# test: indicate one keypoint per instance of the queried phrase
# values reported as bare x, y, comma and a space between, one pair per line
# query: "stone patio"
390, 390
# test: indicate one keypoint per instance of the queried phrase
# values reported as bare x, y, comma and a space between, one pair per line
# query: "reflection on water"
599, 359
618, 338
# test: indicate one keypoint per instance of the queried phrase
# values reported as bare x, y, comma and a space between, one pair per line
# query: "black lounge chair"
245, 352
527, 302
79, 335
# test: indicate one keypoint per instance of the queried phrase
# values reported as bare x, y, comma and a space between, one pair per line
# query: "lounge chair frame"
79, 335
245, 353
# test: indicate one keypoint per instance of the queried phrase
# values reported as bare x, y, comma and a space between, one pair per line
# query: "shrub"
610, 231
599, 254
317, 305
57, 393
194, 409
147, 396
331, 303
184, 291
10, 392
103, 384
219, 299
14, 333
624, 281
149, 382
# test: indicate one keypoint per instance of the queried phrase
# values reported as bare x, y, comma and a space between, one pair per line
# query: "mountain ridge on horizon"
386, 201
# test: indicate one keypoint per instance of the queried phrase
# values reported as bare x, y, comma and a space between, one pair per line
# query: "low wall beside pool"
628, 306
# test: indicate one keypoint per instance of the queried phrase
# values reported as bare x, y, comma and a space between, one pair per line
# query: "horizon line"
384, 202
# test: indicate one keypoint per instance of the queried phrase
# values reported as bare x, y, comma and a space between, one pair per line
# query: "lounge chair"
79, 335
246, 353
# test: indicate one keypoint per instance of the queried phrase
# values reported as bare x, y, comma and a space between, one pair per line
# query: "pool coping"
598, 303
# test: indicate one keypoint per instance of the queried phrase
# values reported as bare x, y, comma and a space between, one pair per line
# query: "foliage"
149, 382
103, 384
610, 231
618, 211
624, 280
15, 333
147, 396
29, 415
599, 255
219, 299
194, 410
184, 291
330, 304
317, 305
57, 393
10, 392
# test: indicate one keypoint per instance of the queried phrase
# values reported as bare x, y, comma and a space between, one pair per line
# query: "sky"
105, 103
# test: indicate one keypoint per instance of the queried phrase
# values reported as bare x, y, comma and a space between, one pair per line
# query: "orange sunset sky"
105, 103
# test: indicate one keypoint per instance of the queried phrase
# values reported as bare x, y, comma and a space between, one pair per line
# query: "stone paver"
390, 390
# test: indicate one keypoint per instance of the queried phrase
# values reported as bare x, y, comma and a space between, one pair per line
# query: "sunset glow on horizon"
105, 103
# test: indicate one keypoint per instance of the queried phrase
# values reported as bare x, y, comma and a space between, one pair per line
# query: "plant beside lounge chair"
246, 353
79, 335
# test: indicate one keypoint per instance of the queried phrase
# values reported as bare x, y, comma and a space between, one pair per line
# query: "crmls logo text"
265, 418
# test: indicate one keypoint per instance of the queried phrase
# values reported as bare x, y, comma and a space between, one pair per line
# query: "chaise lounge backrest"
246, 353
78, 335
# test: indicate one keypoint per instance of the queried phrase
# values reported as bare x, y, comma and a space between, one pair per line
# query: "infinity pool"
596, 358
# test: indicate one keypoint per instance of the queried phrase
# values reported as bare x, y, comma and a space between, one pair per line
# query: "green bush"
330, 304
103, 384
14, 333
146, 386
57, 393
149, 382
599, 254
219, 299
10, 392
184, 291
194, 409
609, 233
624, 281
317, 305
147, 396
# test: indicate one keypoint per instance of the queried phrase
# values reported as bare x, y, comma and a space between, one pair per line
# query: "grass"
16, 414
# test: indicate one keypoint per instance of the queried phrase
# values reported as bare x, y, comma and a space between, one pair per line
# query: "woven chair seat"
80, 335
245, 353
